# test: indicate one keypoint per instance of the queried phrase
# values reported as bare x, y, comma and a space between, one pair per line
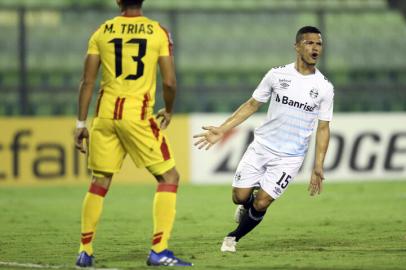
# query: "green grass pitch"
349, 226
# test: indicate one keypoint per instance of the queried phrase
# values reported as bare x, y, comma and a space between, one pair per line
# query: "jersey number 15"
118, 50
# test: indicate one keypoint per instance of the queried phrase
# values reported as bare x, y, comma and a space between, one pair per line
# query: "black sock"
248, 204
248, 222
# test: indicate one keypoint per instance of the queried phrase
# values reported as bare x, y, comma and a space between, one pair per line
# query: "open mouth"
314, 55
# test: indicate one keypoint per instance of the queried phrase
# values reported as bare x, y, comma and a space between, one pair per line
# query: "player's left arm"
168, 75
87, 83
167, 68
322, 141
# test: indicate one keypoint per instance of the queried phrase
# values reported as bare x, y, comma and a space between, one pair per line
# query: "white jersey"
297, 101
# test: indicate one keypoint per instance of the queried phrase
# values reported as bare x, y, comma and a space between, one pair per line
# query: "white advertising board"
363, 146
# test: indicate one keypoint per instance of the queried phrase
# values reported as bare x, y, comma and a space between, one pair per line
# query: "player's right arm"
87, 83
260, 96
214, 134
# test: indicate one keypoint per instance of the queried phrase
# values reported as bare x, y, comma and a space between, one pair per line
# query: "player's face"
310, 47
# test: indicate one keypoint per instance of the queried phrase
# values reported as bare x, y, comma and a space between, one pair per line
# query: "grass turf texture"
349, 226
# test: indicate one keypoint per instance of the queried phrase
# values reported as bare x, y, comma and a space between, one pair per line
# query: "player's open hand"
80, 135
316, 182
209, 138
166, 118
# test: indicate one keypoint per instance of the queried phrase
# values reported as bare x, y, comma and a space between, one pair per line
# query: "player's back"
129, 48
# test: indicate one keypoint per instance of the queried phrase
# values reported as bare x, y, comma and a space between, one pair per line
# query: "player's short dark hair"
305, 30
132, 3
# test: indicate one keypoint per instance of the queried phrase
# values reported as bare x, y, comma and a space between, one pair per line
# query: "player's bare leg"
164, 209
241, 195
91, 211
249, 221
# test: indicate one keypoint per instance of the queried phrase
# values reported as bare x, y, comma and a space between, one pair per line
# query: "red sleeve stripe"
165, 150
98, 102
154, 128
163, 187
87, 234
98, 190
144, 106
170, 42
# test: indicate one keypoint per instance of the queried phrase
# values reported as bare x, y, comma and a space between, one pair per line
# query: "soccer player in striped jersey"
129, 48
300, 96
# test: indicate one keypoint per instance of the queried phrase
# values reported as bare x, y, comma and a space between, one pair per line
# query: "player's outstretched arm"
167, 68
87, 83
214, 134
322, 140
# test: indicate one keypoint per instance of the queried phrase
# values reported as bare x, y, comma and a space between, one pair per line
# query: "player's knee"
102, 179
239, 198
174, 179
237, 201
170, 177
262, 204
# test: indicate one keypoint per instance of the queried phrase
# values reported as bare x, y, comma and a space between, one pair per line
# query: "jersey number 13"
118, 50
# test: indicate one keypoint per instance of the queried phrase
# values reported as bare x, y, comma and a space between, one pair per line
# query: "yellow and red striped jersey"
129, 48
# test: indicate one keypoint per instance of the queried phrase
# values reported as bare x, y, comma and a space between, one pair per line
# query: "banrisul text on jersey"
296, 104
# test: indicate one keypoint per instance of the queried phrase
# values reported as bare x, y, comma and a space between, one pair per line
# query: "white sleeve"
326, 106
263, 91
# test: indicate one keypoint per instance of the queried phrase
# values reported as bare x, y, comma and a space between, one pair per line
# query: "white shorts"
260, 167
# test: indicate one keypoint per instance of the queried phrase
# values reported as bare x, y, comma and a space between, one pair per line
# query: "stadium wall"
41, 150
362, 147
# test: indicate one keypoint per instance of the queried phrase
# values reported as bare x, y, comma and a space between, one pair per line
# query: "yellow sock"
164, 211
91, 211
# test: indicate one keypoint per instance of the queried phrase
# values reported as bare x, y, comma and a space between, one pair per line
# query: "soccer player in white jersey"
300, 96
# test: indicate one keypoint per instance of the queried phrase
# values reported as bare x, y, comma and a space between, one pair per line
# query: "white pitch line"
46, 266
